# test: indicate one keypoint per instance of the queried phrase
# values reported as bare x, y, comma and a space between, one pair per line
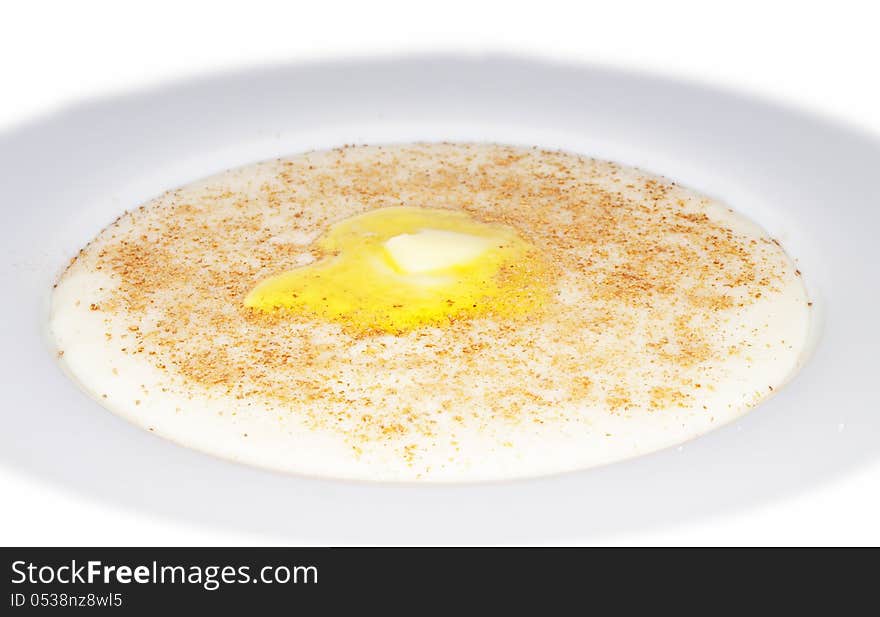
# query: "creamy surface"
654, 315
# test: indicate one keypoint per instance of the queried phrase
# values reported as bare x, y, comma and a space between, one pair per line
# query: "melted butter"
396, 269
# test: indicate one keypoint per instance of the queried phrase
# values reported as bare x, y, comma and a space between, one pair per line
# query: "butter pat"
395, 269
432, 250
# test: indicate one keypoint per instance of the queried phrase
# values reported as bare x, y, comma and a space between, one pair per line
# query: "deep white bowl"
811, 183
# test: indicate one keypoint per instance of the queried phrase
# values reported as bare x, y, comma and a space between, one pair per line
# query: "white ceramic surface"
809, 182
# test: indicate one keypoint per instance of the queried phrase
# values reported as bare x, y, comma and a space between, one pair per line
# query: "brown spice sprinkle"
643, 278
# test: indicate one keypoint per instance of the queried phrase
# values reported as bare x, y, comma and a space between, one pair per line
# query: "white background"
820, 56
